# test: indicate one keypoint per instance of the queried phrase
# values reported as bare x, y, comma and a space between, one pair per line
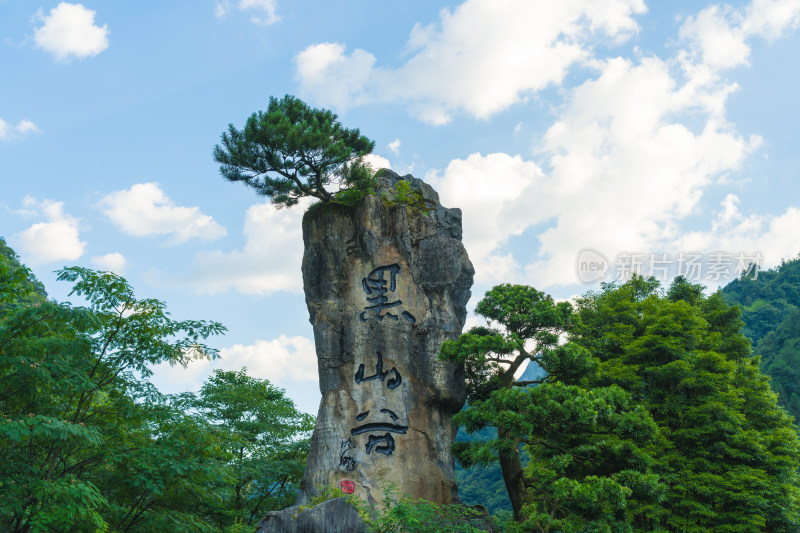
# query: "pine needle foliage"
291, 151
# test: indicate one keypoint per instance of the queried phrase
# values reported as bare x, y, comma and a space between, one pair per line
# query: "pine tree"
730, 455
292, 150
589, 469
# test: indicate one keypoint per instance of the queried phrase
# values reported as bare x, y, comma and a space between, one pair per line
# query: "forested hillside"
771, 312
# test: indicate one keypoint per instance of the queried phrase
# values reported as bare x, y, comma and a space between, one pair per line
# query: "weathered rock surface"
385, 287
332, 516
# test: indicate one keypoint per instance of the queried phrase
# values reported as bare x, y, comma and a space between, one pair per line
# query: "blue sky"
624, 130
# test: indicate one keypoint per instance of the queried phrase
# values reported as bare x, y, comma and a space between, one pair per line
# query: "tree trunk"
513, 476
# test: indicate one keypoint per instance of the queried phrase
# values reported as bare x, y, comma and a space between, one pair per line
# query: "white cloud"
264, 11
631, 157
288, 362
623, 170
145, 209
480, 58
266, 6
394, 146
377, 162
113, 262
499, 197
269, 261
221, 9
484, 55
774, 236
632, 150
9, 132
56, 239
69, 31
626, 163
25, 126
294, 358
721, 43
719, 34
334, 79
771, 18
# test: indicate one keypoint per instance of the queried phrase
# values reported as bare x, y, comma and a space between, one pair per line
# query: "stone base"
332, 516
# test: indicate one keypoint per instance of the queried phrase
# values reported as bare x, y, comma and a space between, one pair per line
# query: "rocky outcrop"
385, 285
332, 516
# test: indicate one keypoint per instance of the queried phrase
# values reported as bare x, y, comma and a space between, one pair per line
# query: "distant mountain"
771, 312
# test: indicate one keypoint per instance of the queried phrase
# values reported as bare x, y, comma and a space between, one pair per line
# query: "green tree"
89, 445
18, 286
530, 322
265, 438
161, 467
483, 485
292, 150
588, 466
73, 410
729, 455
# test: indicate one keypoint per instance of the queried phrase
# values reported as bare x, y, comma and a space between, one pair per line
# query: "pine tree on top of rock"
292, 150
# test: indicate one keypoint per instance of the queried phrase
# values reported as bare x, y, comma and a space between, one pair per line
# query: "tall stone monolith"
385, 286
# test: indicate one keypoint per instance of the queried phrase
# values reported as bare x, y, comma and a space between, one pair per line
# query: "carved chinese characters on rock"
375, 288
346, 462
379, 374
379, 443
377, 427
384, 288
382, 425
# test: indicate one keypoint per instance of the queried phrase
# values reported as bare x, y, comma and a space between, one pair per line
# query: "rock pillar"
385, 286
